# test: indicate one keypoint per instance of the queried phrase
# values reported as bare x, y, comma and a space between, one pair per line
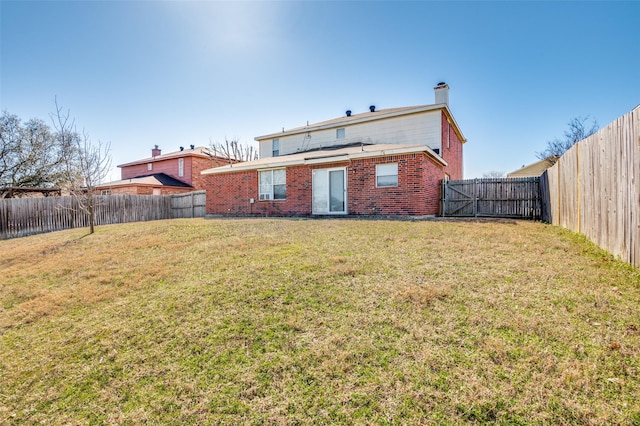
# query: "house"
173, 173
535, 169
379, 162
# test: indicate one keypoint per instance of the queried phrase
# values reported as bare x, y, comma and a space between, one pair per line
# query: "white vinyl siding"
386, 175
272, 184
422, 128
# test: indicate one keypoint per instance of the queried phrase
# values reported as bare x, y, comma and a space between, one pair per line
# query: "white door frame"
327, 209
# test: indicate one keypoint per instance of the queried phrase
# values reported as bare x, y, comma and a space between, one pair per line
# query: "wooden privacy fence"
594, 188
502, 197
192, 204
20, 217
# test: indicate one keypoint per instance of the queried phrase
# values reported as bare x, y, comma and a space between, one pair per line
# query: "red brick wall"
230, 194
169, 167
417, 193
196, 166
451, 150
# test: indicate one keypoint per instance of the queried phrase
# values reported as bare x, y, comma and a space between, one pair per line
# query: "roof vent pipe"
192, 146
372, 108
182, 148
348, 113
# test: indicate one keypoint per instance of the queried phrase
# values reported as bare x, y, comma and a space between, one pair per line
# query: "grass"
277, 321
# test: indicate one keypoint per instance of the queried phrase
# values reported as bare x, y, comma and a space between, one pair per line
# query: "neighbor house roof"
365, 117
535, 169
156, 179
200, 151
327, 156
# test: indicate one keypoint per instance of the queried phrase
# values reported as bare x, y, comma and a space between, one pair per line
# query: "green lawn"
278, 321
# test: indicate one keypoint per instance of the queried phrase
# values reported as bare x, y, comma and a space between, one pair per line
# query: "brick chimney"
155, 151
442, 93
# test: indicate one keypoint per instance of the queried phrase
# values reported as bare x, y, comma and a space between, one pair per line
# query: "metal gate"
503, 197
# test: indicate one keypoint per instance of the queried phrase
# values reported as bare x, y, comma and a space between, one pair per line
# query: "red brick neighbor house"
161, 174
380, 162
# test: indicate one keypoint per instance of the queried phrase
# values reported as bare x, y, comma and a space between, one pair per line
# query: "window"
273, 184
149, 166
106, 192
180, 167
386, 175
340, 133
275, 149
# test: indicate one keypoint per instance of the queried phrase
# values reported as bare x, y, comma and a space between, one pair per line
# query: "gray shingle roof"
156, 179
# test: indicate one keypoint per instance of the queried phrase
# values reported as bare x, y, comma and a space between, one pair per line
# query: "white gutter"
321, 160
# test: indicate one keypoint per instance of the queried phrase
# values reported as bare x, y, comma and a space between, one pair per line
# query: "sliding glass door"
329, 191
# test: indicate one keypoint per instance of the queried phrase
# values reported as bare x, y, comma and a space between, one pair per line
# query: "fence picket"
499, 197
594, 188
27, 216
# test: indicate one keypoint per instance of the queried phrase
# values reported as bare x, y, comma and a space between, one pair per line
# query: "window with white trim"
149, 166
272, 184
106, 192
340, 133
181, 167
386, 175
275, 148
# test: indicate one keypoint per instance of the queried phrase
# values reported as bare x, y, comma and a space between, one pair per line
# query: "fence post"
444, 197
578, 183
475, 197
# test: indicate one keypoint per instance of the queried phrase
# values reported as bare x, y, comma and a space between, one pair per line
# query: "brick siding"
417, 193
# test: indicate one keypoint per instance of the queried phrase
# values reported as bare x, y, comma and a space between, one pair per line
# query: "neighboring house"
173, 173
386, 162
534, 170
155, 184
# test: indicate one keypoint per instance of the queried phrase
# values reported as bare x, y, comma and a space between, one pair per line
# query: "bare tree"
233, 150
10, 129
493, 174
30, 155
578, 130
86, 163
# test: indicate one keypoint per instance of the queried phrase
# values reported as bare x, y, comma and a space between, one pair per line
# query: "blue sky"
172, 73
